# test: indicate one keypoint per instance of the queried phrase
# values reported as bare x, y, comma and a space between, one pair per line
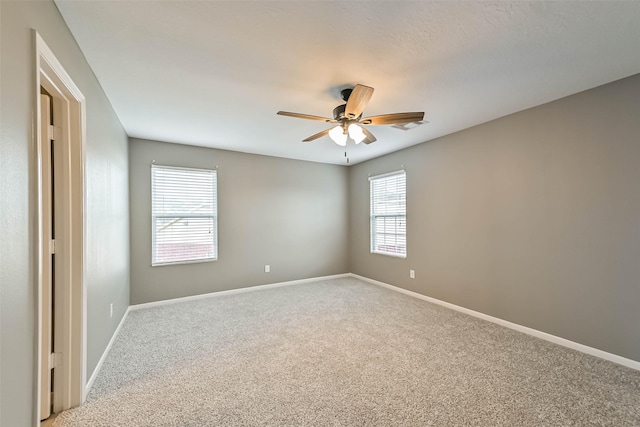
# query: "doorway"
59, 194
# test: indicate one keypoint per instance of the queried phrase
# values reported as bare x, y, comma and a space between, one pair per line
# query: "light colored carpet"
344, 353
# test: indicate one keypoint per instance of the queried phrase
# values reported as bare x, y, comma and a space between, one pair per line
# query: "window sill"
389, 254
195, 261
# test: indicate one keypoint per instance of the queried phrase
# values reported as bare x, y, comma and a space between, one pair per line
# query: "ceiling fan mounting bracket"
345, 93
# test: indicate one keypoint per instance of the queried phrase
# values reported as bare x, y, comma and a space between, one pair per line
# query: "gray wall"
533, 218
107, 247
289, 214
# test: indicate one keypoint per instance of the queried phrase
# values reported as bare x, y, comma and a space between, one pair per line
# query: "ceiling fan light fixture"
356, 133
338, 136
349, 118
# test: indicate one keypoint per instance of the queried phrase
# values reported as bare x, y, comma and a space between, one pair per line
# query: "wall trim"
236, 291
524, 329
629, 363
87, 387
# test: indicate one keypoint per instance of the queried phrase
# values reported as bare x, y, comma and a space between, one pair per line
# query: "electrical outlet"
267, 268
110, 310
412, 274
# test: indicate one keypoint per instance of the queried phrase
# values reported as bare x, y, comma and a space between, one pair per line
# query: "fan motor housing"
338, 112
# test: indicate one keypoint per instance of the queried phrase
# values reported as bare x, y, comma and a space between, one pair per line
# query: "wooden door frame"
70, 341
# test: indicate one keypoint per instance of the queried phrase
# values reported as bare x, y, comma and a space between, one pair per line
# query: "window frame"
373, 216
214, 217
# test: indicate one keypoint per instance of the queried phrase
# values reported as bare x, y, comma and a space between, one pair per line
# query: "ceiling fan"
349, 120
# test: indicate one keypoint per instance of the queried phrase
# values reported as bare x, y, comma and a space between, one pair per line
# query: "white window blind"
184, 213
389, 214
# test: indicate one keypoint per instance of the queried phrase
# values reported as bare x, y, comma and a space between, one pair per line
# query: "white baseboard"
87, 387
529, 331
236, 291
629, 363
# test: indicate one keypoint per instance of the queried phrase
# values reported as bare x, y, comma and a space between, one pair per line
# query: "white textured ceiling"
214, 73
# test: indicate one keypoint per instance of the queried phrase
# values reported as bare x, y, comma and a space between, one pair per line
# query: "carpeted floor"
344, 353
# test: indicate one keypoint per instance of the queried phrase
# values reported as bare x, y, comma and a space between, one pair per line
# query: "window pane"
184, 239
184, 211
388, 214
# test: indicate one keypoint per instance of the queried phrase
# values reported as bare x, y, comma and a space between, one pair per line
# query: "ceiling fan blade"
358, 99
305, 116
369, 136
317, 135
392, 119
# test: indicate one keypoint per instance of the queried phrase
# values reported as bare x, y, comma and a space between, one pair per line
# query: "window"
184, 213
389, 214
